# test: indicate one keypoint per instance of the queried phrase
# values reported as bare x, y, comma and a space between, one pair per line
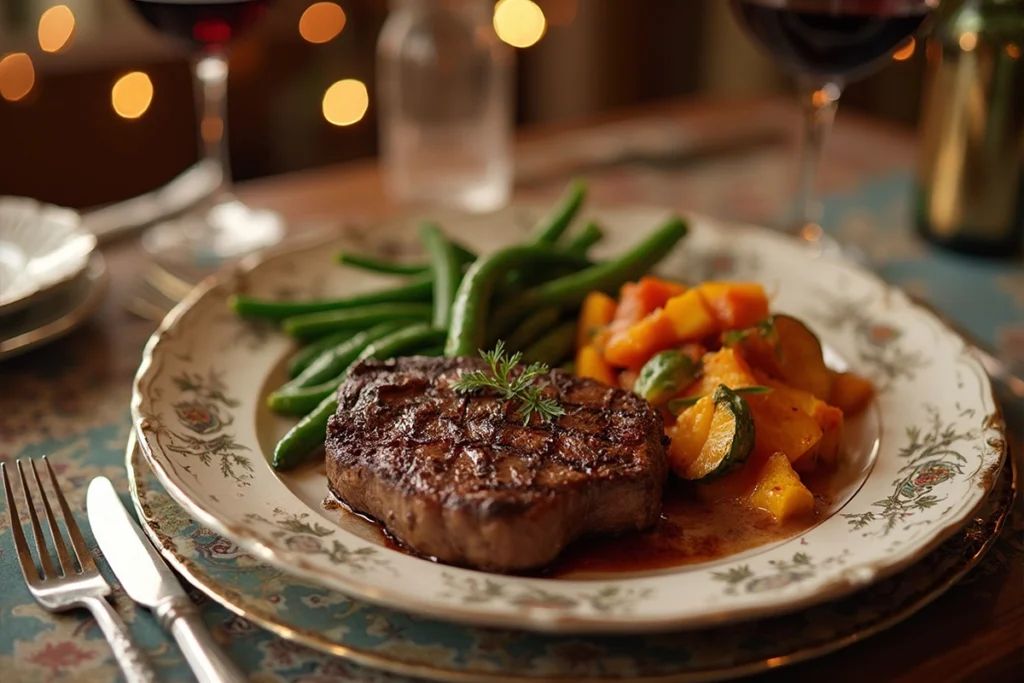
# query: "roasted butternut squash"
690, 317
735, 305
781, 426
724, 366
691, 432
780, 492
632, 347
654, 293
590, 363
850, 393
596, 313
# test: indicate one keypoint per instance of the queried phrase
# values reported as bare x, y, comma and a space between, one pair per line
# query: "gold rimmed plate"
385, 639
916, 466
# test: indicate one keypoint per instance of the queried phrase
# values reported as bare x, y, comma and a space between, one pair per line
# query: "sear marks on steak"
460, 478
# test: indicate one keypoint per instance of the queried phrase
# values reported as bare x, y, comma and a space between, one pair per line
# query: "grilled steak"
462, 479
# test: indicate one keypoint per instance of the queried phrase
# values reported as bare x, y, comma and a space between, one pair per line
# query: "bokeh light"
520, 23
968, 41
346, 102
321, 22
17, 76
1013, 50
56, 27
132, 95
906, 51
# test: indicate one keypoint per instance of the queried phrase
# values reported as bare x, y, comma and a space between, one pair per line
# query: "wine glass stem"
818, 102
210, 73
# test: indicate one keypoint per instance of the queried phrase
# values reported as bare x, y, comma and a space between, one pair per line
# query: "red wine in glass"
201, 23
831, 38
825, 43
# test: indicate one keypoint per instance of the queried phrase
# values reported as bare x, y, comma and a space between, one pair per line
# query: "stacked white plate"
51, 275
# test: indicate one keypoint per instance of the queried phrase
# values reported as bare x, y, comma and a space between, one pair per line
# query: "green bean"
300, 401
533, 327
406, 340
553, 347
607, 277
306, 437
375, 264
416, 290
466, 334
588, 237
334, 362
551, 226
305, 356
313, 325
432, 351
379, 265
446, 269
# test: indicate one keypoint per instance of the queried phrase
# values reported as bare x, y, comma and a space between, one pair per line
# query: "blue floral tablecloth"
70, 401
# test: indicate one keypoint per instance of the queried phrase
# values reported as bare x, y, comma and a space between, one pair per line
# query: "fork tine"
37, 531
85, 560
63, 559
28, 566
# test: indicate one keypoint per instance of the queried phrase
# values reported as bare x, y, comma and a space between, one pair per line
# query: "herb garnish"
764, 330
519, 388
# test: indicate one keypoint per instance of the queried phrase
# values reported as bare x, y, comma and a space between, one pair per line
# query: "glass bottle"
445, 105
970, 176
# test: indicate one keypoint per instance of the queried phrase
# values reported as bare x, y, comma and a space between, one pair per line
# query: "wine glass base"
207, 238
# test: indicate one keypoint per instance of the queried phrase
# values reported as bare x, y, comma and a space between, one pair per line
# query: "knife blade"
149, 581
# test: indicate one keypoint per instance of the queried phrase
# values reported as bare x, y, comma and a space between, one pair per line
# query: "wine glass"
825, 44
221, 227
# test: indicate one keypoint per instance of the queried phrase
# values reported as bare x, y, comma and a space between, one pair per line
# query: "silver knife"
148, 581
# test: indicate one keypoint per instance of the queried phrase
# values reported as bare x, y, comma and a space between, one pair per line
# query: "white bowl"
41, 248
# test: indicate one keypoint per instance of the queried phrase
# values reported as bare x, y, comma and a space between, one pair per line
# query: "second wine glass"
222, 227
825, 44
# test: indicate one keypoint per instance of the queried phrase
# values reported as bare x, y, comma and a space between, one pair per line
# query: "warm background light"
519, 23
56, 27
559, 12
906, 51
321, 22
17, 76
132, 95
345, 102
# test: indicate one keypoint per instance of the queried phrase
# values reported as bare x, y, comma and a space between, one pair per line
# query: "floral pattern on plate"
330, 621
924, 373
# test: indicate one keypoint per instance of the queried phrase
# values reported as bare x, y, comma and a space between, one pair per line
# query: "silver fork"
81, 586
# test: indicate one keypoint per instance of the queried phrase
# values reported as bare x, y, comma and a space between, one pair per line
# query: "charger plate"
385, 639
916, 466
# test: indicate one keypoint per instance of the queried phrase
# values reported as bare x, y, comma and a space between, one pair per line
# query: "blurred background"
87, 89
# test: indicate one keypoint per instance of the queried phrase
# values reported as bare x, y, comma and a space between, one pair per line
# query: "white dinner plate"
56, 314
42, 248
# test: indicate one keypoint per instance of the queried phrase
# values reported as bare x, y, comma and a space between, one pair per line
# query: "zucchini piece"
787, 349
665, 375
729, 442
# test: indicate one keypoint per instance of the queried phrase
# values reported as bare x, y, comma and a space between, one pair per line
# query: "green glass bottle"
970, 172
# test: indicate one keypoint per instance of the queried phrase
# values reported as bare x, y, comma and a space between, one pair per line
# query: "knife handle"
207, 660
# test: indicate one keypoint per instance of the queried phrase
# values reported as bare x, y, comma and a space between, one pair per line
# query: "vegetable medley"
749, 404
